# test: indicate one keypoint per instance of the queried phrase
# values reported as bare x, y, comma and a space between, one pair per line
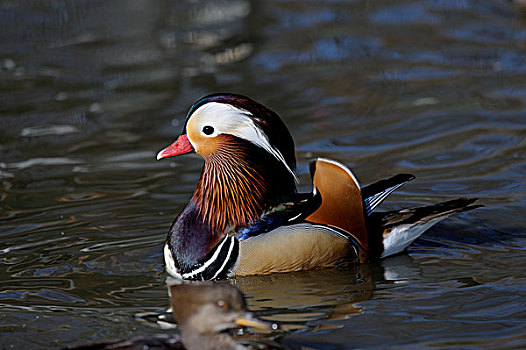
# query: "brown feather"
230, 192
342, 204
293, 248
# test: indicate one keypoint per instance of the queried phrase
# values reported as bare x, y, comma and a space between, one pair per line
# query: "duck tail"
396, 230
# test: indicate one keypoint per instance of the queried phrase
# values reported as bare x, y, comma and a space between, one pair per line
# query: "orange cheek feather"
204, 146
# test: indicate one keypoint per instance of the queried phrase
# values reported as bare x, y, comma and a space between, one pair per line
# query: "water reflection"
89, 91
297, 299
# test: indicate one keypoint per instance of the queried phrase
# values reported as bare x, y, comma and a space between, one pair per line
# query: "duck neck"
238, 184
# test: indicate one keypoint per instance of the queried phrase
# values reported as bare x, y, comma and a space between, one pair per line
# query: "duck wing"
341, 201
304, 204
288, 213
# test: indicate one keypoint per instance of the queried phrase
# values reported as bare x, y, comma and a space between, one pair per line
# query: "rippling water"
91, 90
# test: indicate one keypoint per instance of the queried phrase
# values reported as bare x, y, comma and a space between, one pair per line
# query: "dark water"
91, 90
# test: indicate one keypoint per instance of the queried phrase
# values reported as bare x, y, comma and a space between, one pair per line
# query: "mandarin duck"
246, 216
203, 312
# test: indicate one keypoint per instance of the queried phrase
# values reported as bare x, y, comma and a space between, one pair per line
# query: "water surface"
91, 90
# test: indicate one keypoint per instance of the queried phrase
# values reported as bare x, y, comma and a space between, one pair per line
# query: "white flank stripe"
232, 241
294, 218
332, 230
170, 263
208, 262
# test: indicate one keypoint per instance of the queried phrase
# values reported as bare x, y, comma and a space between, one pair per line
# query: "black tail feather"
374, 194
378, 223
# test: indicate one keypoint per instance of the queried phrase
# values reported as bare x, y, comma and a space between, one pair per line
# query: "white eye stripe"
227, 119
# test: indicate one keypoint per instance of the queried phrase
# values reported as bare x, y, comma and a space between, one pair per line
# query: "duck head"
204, 309
249, 159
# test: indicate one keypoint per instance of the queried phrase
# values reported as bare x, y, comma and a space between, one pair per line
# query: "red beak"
181, 146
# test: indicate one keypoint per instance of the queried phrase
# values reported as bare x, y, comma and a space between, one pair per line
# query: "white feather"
402, 236
170, 263
227, 119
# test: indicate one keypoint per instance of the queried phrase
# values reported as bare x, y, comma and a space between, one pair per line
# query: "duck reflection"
318, 297
203, 312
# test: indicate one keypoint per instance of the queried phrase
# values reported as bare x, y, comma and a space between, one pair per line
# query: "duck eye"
208, 130
222, 304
